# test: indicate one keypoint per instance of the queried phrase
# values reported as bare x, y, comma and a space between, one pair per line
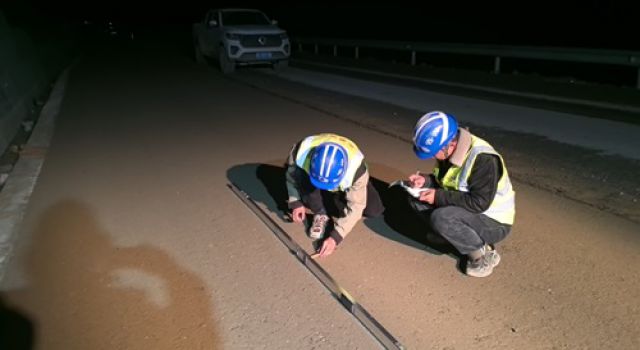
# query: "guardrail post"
335, 50
299, 47
315, 48
496, 65
413, 58
638, 80
357, 54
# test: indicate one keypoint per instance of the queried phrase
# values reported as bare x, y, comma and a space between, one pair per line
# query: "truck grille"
261, 40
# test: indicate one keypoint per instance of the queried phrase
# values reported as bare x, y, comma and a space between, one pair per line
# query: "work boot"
316, 231
483, 266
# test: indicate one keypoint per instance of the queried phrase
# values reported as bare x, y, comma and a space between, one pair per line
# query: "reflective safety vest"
354, 156
502, 208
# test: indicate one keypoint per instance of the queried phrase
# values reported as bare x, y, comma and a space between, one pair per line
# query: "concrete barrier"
28, 67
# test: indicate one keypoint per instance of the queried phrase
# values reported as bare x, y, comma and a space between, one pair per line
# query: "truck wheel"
197, 53
281, 65
226, 64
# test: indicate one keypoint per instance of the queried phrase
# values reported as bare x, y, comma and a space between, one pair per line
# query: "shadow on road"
402, 224
86, 293
16, 329
265, 183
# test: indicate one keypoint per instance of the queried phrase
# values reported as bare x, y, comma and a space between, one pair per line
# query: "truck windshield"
235, 18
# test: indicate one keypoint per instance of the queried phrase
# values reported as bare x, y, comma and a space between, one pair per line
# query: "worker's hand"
428, 196
328, 246
298, 214
416, 180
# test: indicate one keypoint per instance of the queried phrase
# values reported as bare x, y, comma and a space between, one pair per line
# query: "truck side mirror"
274, 22
213, 23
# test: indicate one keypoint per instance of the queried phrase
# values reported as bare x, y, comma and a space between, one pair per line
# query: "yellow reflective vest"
502, 208
354, 156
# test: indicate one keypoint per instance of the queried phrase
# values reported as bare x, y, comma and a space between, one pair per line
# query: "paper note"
415, 192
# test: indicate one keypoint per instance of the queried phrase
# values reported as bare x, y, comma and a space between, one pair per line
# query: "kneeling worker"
327, 174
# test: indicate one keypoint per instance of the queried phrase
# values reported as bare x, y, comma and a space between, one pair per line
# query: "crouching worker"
471, 202
327, 175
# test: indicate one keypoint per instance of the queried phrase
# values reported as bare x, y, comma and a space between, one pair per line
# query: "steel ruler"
360, 313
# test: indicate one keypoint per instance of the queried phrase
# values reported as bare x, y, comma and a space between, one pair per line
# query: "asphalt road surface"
132, 239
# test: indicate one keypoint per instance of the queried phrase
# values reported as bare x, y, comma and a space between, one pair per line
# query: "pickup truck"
240, 37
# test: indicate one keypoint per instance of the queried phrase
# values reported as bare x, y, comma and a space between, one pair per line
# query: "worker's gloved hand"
298, 214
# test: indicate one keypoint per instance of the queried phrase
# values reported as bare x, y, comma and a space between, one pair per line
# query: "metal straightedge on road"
369, 322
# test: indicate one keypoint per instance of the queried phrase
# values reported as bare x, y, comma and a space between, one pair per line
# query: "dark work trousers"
465, 230
334, 203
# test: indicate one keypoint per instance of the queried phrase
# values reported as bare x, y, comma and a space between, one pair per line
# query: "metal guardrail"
613, 57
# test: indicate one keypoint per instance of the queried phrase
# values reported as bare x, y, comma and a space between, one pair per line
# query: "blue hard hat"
432, 133
328, 165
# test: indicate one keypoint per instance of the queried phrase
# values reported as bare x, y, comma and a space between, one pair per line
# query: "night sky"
587, 23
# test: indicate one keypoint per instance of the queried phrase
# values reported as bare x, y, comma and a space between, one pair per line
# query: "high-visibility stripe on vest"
354, 156
502, 208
